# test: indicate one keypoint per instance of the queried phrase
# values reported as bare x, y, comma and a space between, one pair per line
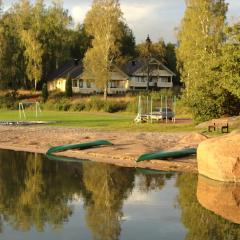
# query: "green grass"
99, 120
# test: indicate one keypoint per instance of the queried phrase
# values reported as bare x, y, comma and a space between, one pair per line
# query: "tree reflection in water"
200, 222
36, 192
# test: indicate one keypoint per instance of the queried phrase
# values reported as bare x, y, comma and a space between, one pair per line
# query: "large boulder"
221, 198
219, 158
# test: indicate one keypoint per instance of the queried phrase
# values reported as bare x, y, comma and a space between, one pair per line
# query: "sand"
127, 145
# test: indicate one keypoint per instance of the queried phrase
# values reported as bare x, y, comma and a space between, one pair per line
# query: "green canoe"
81, 146
167, 154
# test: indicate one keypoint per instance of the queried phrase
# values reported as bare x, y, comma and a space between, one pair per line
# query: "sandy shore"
127, 145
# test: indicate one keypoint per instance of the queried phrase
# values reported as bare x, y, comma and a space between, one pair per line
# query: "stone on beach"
219, 158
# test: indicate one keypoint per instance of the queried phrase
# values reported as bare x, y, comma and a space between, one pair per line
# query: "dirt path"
127, 146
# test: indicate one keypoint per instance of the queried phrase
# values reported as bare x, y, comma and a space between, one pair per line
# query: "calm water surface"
48, 199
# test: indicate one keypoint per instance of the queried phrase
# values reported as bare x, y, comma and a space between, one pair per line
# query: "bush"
113, 107
95, 104
78, 107
63, 105
44, 92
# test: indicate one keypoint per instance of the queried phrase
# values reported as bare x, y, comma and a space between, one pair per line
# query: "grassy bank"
99, 120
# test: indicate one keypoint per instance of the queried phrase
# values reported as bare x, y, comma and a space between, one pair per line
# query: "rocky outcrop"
219, 158
221, 198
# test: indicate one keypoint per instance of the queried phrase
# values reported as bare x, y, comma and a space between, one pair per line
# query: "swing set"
150, 110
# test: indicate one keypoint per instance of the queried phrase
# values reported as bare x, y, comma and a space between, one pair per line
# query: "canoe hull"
80, 146
167, 154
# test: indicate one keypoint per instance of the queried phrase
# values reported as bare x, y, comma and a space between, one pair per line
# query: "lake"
56, 199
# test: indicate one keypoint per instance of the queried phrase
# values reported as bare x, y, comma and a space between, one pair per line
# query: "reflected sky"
159, 18
45, 199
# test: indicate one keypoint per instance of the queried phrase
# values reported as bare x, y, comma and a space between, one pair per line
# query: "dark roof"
131, 66
72, 68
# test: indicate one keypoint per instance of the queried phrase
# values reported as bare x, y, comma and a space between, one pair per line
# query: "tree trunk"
105, 93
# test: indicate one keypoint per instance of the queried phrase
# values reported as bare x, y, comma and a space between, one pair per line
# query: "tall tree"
103, 24
127, 45
230, 60
200, 38
33, 55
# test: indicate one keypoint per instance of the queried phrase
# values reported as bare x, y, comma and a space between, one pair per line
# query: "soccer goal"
24, 105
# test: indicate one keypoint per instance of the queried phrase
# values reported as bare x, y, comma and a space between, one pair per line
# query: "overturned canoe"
168, 154
81, 146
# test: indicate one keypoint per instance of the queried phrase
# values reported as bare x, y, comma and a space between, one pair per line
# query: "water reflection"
221, 198
106, 202
200, 222
36, 192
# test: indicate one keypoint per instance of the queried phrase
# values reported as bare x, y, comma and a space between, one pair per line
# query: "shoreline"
126, 149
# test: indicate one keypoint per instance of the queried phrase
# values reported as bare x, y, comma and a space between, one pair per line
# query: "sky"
158, 18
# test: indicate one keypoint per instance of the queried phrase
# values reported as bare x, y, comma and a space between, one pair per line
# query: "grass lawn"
99, 120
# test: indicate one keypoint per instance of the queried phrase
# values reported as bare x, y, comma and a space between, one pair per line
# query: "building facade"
135, 75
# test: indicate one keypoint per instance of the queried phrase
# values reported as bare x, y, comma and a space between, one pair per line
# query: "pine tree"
68, 91
45, 92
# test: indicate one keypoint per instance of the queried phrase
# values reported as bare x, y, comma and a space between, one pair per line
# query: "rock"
221, 198
191, 140
219, 158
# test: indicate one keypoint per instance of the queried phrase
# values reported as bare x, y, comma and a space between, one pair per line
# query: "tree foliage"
68, 91
200, 40
103, 24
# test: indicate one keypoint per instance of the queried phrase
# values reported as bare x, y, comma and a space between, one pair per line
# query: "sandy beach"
128, 146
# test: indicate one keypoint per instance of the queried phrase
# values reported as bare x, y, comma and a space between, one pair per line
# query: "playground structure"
163, 109
22, 109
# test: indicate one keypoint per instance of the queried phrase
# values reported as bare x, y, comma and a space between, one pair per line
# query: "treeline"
36, 39
209, 60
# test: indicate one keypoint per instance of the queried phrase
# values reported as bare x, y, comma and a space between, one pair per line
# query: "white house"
134, 75
153, 73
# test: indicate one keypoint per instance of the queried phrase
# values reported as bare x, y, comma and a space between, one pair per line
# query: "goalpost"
22, 108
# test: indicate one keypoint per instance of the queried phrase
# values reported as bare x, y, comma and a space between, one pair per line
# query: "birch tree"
103, 24
200, 40
33, 56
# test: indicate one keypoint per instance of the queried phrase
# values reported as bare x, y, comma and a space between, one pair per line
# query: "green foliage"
68, 91
113, 106
79, 106
200, 40
34, 41
103, 24
45, 92
230, 60
63, 105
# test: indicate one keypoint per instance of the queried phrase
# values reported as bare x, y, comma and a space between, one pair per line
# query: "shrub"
95, 104
63, 105
113, 107
44, 92
78, 107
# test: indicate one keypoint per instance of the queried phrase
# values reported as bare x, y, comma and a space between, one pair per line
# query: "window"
74, 83
113, 84
88, 84
80, 83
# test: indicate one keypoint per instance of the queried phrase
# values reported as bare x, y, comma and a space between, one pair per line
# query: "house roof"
134, 65
72, 68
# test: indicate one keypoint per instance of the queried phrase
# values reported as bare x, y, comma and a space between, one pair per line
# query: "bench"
220, 124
